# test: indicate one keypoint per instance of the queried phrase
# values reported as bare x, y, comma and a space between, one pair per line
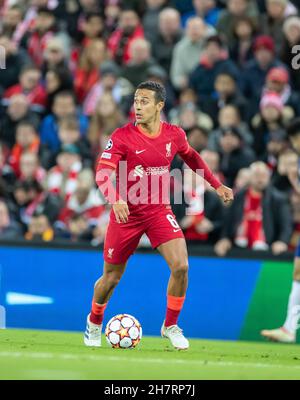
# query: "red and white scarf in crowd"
64, 184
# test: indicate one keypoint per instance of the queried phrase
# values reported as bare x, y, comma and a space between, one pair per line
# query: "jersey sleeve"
114, 151
181, 142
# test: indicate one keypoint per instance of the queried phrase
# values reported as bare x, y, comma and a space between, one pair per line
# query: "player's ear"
160, 105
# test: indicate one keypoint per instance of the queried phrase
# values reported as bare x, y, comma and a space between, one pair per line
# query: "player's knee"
180, 269
112, 279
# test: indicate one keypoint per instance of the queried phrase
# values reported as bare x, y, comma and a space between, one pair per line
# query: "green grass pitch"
26, 354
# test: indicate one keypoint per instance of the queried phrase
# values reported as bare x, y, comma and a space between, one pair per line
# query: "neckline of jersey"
147, 134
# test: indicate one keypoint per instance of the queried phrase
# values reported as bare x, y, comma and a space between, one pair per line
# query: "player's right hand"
121, 211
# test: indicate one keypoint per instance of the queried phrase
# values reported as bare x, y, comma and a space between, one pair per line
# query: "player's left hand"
225, 193
279, 247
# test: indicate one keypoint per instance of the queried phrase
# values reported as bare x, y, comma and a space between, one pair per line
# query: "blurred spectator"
256, 70
27, 141
277, 81
87, 73
7, 175
57, 79
85, 201
44, 29
206, 9
17, 111
112, 13
229, 116
110, 81
62, 178
291, 31
287, 165
212, 159
241, 47
226, 92
234, 154
64, 105
272, 22
79, 229
189, 116
135, 71
69, 134
259, 217
242, 179
197, 137
269, 120
187, 51
12, 18
168, 34
151, 16
30, 197
9, 229
30, 168
31, 87
39, 228
129, 29
235, 10
106, 118
203, 216
14, 61
55, 55
213, 61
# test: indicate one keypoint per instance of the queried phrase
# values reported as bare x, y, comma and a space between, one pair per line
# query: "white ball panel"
115, 325
114, 338
125, 343
127, 322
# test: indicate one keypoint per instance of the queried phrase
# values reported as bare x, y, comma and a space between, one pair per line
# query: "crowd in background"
232, 84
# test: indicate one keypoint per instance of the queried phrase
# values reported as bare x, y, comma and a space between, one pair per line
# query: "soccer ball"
123, 332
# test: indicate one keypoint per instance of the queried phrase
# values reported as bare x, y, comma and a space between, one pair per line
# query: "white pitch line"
204, 363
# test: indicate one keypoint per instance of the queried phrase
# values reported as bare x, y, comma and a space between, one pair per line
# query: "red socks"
97, 313
174, 306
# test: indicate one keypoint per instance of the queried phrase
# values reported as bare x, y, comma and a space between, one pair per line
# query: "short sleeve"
182, 142
115, 150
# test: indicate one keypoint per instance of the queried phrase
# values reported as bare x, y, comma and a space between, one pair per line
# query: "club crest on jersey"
110, 252
109, 145
168, 149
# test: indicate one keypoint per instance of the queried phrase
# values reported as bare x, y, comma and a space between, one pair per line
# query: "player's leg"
165, 235
120, 242
103, 290
175, 254
287, 333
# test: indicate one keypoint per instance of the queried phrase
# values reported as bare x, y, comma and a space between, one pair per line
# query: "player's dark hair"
160, 91
293, 128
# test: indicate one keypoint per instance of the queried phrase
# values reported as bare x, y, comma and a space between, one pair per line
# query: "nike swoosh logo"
176, 230
139, 151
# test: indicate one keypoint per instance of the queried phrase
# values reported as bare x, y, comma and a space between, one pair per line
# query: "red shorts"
122, 239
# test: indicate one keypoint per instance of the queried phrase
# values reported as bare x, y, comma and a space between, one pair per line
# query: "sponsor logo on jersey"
157, 170
168, 149
139, 171
106, 155
139, 151
109, 145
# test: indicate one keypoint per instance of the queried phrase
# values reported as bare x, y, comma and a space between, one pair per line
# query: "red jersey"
142, 164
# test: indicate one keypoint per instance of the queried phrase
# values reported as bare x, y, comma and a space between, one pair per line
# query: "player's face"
295, 140
145, 106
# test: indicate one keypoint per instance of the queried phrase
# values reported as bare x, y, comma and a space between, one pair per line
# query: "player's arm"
196, 163
106, 167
